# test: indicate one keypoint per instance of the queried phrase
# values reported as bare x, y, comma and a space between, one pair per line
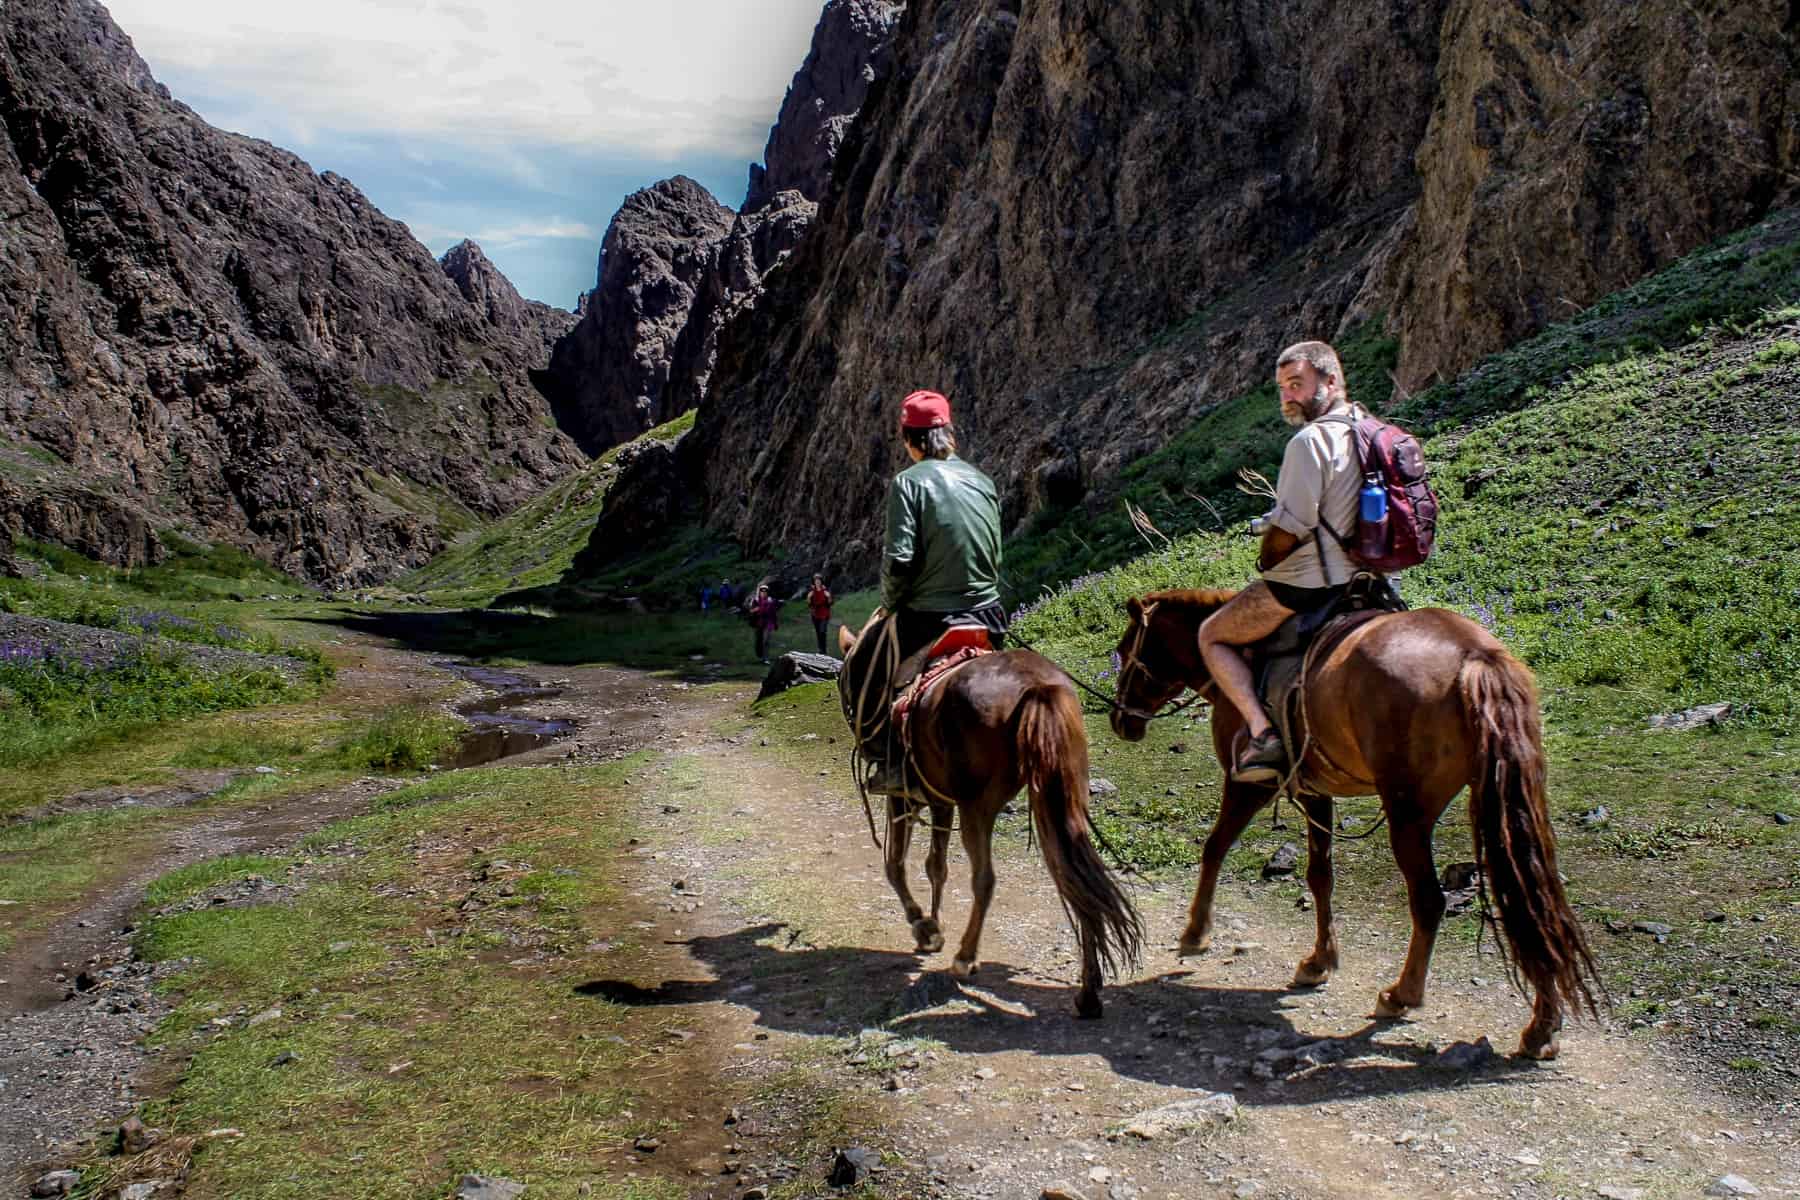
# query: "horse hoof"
1307, 976
1190, 947
1538, 1046
963, 969
1088, 1008
1387, 1006
929, 938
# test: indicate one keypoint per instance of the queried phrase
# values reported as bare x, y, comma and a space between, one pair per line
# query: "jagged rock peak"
849, 51
482, 283
678, 206
607, 377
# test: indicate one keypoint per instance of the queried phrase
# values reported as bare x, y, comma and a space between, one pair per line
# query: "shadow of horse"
1173, 1027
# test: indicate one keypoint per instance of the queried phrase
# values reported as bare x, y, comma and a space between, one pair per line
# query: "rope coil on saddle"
887, 652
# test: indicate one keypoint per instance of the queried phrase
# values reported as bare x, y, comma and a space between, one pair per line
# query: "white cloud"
661, 80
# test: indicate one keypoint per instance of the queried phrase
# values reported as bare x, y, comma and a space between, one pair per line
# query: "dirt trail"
801, 938
762, 927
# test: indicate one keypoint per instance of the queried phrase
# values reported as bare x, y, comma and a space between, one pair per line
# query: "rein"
1132, 661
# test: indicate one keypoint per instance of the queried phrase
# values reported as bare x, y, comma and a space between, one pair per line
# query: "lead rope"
1288, 786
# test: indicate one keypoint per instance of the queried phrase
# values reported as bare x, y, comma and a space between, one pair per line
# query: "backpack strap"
1352, 420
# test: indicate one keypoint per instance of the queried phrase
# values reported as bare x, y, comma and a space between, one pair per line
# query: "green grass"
58, 704
419, 1052
404, 740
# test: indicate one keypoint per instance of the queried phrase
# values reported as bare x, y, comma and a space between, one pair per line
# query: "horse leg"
1409, 833
937, 867
1540, 1039
1087, 1000
1317, 967
1241, 803
977, 839
899, 840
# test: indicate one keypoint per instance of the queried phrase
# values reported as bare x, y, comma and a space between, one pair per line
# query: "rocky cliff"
849, 52
202, 334
1089, 222
608, 375
676, 265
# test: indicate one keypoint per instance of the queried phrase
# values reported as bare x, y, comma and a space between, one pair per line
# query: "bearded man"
1302, 563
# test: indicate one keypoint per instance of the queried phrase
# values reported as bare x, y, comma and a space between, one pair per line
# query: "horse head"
847, 640
1158, 657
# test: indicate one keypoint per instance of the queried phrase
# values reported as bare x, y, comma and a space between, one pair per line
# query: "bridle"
1133, 660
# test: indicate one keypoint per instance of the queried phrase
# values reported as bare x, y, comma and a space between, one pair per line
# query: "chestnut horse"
1412, 707
1003, 722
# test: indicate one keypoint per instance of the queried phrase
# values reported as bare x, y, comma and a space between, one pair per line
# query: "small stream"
495, 732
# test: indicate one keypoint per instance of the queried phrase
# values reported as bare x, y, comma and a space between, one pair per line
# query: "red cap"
924, 410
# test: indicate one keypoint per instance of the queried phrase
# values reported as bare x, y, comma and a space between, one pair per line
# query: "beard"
1312, 410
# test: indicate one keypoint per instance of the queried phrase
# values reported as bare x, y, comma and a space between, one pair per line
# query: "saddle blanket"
935, 672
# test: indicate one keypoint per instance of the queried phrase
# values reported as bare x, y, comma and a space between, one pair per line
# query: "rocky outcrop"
608, 376
848, 53
207, 334
649, 494
1089, 224
759, 242
677, 266
532, 322
88, 522
1576, 147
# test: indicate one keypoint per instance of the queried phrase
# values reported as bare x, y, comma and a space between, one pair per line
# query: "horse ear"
846, 640
1134, 606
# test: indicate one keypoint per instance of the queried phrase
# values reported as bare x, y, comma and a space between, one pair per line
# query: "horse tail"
1515, 848
1053, 760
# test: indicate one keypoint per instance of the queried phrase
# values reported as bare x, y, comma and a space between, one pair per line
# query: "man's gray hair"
1321, 358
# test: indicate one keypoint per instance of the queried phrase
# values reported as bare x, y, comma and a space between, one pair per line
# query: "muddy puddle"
496, 731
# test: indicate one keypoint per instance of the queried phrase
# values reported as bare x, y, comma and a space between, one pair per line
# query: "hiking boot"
1263, 760
888, 779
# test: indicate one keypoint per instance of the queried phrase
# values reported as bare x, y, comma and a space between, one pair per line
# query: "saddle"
1279, 661
877, 697
960, 645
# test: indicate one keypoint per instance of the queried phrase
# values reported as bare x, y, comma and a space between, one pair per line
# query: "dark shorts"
1302, 600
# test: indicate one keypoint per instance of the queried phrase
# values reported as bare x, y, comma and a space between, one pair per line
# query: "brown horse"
1412, 707
1004, 722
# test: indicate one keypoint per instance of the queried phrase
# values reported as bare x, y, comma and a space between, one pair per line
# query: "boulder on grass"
795, 668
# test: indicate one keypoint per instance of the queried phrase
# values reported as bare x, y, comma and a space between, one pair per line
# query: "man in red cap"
940, 559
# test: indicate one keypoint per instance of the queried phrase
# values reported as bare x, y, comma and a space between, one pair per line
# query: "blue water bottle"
1372, 501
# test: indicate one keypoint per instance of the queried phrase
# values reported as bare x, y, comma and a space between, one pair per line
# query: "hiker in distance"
1303, 562
761, 610
940, 555
818, 603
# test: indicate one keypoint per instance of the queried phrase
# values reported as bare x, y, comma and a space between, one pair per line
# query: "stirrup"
1262, 760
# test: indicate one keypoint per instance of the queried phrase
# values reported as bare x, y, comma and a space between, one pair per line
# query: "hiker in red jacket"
818, 602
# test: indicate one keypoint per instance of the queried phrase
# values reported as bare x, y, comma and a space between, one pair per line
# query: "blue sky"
519, 123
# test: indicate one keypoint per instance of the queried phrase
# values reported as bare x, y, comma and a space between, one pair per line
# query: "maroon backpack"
1392, 461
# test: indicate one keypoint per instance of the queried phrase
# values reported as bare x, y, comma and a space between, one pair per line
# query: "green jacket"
942, 550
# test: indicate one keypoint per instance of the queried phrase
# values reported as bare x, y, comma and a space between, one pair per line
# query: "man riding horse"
940, 560
1302, 569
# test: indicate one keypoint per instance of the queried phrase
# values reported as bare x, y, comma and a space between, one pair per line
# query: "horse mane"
1206, 598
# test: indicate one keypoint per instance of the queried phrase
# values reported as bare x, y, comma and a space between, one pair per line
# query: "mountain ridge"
206, 334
